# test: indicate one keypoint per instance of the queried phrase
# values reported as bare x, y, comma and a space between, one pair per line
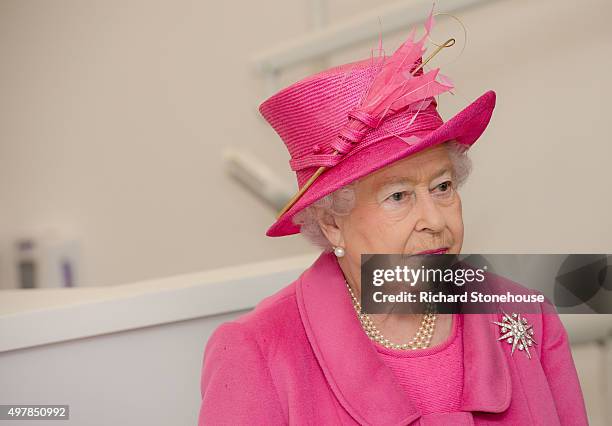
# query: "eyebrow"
402, 179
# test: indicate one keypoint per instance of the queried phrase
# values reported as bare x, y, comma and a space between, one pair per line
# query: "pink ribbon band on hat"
365, 118
351, 140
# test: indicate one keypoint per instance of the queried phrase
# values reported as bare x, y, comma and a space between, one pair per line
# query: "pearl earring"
338, 251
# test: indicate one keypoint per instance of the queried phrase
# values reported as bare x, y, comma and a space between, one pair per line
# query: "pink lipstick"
441, 250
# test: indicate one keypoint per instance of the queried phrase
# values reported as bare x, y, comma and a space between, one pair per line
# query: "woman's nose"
430, 216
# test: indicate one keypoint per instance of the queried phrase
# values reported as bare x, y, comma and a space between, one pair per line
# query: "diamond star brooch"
516, 332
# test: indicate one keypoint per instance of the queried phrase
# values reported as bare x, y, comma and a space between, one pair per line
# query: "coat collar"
358, 377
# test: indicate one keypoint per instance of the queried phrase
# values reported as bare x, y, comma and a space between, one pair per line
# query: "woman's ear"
331, 227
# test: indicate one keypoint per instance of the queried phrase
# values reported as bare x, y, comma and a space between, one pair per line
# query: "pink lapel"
362, 383
487, 384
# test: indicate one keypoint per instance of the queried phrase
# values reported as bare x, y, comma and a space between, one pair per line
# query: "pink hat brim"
465, 127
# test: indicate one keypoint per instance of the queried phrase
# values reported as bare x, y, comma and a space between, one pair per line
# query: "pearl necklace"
421, 340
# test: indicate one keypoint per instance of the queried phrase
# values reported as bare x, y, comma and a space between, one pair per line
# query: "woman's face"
407, 207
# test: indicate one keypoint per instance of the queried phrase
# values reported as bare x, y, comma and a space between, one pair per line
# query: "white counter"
40, 316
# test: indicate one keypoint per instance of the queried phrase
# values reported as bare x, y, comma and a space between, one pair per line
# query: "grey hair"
342, 201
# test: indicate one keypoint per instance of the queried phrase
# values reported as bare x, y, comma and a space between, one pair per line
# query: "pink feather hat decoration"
351, 120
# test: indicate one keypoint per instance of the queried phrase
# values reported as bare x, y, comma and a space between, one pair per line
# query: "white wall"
114, 116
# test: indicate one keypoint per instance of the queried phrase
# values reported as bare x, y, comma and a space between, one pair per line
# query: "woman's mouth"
441, 250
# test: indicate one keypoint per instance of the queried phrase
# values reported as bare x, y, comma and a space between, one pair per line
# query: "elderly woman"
378, 172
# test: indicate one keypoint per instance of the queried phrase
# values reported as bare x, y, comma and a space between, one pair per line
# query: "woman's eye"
445, 186
398, 196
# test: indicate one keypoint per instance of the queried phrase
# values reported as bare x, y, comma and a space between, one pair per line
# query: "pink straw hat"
349, 121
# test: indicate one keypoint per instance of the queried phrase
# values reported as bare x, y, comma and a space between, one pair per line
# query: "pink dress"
433, 377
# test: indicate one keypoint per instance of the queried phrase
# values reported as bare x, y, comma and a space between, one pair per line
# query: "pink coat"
301, 358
